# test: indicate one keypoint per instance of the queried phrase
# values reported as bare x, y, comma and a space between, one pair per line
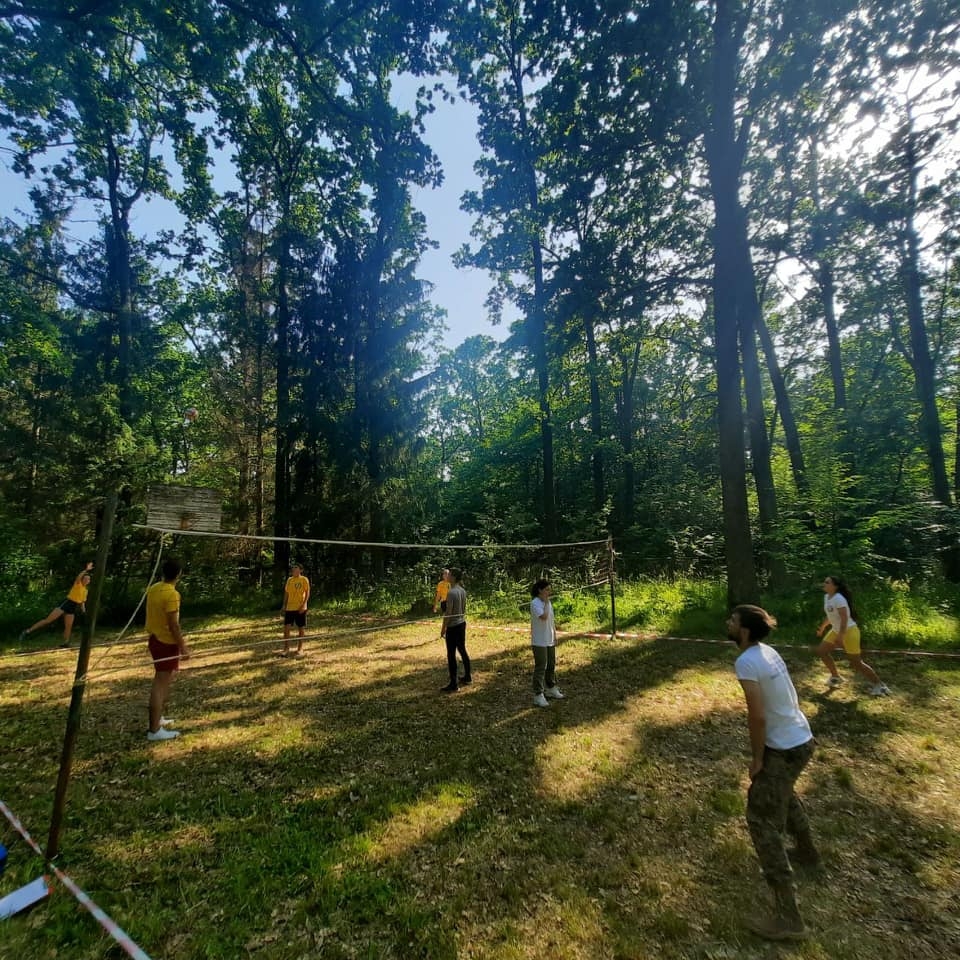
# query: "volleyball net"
392, 577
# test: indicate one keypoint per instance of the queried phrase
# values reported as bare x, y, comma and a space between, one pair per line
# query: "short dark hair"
538, 585
756, 620
456, 573
171, 569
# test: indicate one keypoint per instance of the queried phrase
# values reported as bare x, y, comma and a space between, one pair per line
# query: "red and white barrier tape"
119, 935
929, 654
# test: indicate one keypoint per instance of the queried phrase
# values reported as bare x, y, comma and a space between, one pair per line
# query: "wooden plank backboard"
175, 507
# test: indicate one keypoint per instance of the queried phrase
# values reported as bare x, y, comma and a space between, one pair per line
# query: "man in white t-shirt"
781, 745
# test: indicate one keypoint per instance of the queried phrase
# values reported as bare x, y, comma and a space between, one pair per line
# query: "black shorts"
443, 606
69, 606
299, 617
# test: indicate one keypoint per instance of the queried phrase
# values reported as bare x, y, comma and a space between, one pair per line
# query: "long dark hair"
842, 587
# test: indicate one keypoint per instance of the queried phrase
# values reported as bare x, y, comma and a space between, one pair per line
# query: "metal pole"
611, 574
80, 677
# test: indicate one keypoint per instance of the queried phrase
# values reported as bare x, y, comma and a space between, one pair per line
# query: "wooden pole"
612, 574
80, 677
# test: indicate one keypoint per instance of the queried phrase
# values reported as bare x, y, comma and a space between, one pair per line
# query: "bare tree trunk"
790, 432
281, 495
596, 417
537, 319
748, 314
956, 447
724, 161
922, 359
626, 408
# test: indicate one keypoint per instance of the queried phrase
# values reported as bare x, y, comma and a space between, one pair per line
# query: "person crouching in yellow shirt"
76, 600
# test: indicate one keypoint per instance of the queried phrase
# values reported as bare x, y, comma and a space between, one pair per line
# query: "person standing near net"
166, 645
296, 593
843, 631
440, 599
781, 745
543, 638
76, 600
455, 625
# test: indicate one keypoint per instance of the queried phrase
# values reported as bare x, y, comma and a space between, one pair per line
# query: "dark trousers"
544, 668
772, 807
456, 639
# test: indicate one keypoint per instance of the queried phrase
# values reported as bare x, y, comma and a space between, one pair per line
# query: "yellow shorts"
851, 640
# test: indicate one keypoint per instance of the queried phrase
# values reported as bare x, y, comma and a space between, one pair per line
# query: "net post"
611, 575
80, 677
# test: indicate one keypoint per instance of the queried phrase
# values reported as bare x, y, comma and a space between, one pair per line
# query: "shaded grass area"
339, 806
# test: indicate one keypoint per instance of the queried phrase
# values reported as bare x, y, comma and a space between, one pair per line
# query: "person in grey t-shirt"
455, 622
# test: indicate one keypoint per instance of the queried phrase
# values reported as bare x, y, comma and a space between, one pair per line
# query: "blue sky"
451, 131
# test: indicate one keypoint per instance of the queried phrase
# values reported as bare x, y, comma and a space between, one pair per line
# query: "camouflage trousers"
773, 806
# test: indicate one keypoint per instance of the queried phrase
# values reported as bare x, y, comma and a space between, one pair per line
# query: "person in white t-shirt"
781, 745
839, 617
543, 639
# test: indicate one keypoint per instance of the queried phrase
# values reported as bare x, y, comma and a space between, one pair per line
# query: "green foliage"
289, 311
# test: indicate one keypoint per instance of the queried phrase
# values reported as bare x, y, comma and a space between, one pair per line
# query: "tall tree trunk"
282, 470
596, 418
541, 358
956, 446
826, 283
748, 316
537, 319
626, 410
828, 300
790, 432
120, 279
724, 161
36, 418
922, 359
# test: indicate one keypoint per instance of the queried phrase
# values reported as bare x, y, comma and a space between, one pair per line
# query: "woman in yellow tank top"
76, 600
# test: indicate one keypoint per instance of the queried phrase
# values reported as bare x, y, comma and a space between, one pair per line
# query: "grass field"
339, 806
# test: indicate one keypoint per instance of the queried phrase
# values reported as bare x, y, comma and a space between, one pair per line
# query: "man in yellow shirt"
296, 593
440, 599
76, 600
166, 644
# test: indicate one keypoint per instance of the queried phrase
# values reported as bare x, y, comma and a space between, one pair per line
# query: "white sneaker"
553, 693
880, 690
167, 722
162, 734
540, 701
834, 681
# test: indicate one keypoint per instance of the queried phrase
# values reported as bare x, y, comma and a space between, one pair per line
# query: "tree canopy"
726, 232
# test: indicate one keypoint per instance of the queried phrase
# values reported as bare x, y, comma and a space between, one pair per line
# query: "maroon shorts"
166, 656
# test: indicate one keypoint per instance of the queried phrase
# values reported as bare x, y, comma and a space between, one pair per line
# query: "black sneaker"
465, 680
450, 688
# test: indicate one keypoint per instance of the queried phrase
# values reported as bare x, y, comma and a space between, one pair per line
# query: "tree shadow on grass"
391, 821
